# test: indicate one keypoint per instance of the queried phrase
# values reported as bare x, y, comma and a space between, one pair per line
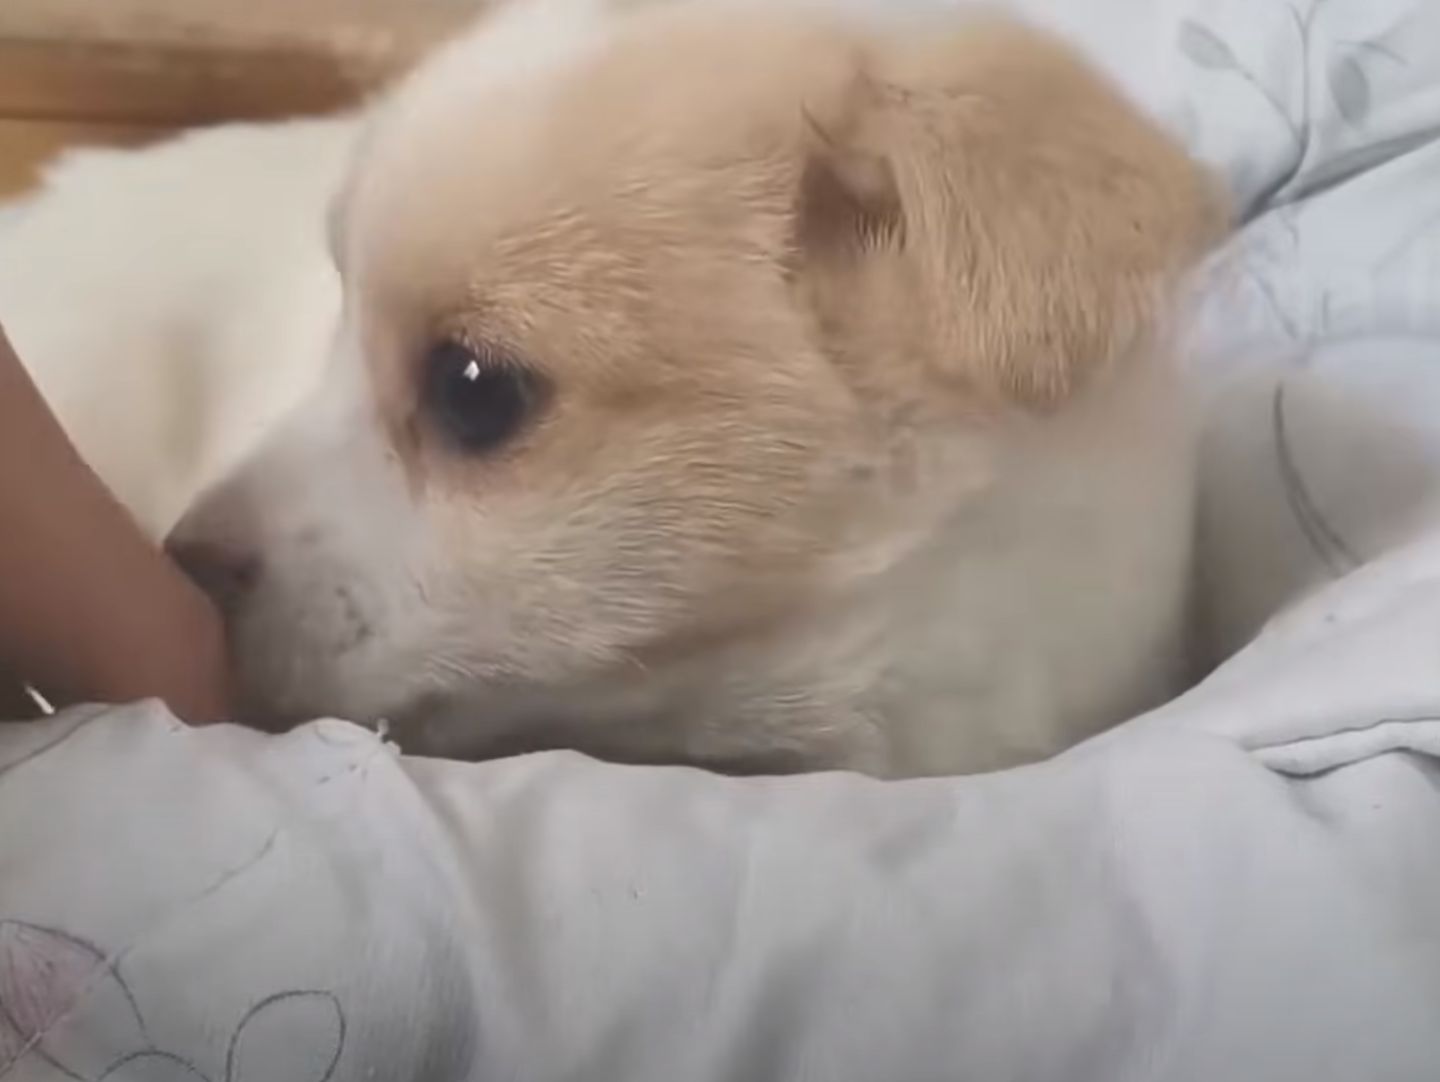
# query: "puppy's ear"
1026, 218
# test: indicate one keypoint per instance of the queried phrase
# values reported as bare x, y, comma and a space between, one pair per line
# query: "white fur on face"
335, 622
354, 616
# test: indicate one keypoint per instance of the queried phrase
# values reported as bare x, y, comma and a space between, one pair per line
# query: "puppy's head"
662, 330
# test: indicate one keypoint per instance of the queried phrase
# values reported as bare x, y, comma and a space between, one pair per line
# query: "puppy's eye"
479, 399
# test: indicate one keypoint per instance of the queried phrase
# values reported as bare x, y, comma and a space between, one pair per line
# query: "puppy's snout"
226, 572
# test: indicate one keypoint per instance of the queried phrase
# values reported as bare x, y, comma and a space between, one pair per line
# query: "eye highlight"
477, 398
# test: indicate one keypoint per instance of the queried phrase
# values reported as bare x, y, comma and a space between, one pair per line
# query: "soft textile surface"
1243, 887
1240, 886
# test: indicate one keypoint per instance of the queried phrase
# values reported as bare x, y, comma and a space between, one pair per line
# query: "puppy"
759, 387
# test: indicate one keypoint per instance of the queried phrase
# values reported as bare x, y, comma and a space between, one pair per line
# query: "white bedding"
1242, 886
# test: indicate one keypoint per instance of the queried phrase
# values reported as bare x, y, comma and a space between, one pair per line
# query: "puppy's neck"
1001, 622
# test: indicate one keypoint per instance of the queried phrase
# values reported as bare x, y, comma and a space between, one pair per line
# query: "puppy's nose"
224, 572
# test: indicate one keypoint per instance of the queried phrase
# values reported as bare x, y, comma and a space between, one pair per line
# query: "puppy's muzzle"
227, 573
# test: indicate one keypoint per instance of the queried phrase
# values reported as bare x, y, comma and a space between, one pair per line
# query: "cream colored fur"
861, 449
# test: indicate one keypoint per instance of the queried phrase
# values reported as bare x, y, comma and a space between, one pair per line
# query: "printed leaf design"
1205, 48
1350, 87
48, 977
296, 1036
152, 1067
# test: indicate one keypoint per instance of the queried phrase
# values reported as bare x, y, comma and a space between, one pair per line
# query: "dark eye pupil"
477, 399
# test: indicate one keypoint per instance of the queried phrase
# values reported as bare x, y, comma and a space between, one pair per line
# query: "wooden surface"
85, 71
192, 61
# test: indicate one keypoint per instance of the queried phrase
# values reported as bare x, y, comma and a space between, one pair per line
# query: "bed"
1241, 885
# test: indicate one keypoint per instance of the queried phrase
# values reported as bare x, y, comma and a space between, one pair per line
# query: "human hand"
90, 610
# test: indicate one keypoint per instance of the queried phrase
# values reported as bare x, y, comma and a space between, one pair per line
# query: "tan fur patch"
751, 250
